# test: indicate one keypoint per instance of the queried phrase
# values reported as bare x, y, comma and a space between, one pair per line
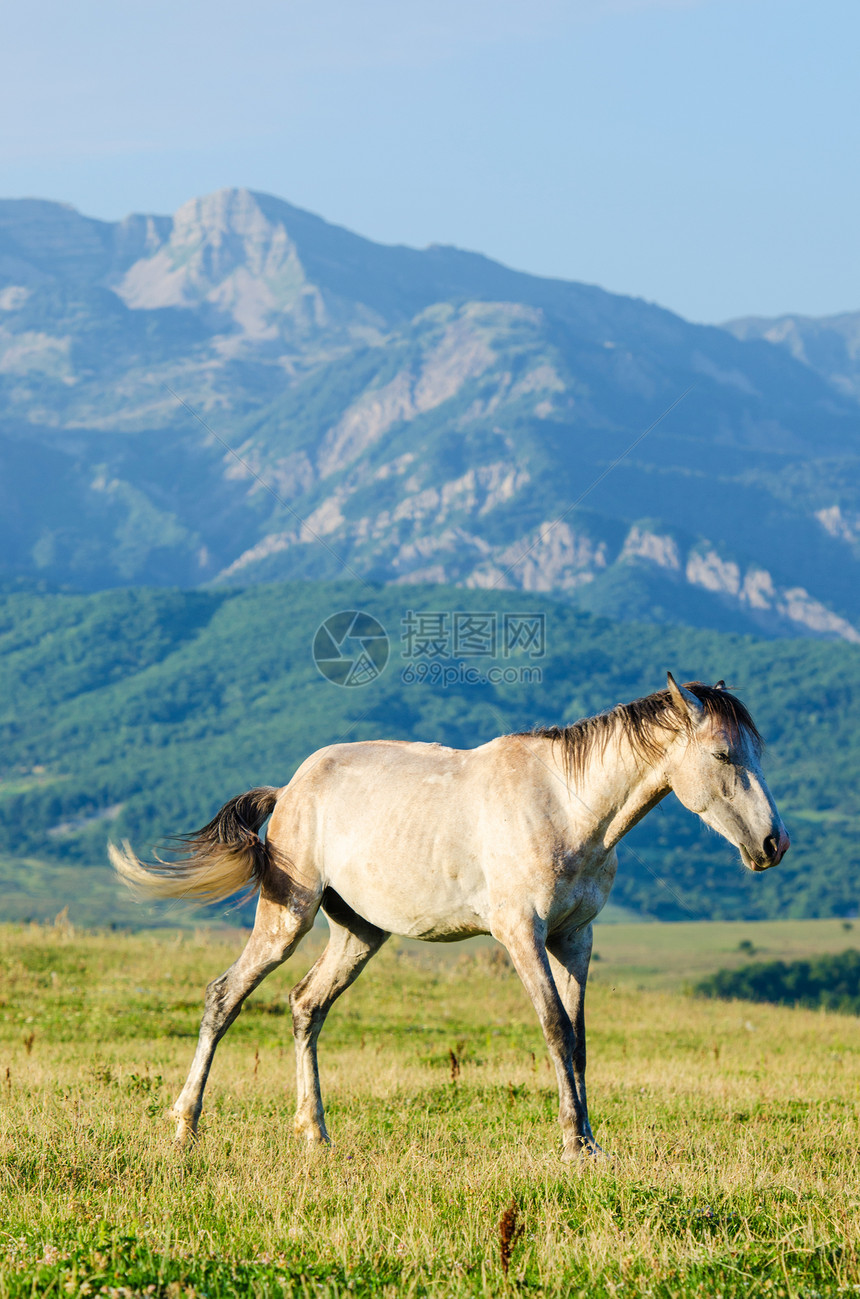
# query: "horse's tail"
224, 858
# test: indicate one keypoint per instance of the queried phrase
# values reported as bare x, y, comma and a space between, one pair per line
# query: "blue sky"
699, 153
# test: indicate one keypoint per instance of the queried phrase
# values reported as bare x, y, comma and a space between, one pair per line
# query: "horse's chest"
582, 884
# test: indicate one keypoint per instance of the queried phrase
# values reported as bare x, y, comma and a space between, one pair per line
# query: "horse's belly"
417, 886
447, 929
434, 908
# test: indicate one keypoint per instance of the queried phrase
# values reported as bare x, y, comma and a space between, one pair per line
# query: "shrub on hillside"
829, 981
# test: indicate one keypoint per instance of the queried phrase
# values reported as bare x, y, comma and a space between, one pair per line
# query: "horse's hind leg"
278, 929
351, 944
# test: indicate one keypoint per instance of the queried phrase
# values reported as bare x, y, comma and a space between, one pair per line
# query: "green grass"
733, 1130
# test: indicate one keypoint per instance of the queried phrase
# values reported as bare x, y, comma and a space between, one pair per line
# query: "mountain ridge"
829, 345
428, 414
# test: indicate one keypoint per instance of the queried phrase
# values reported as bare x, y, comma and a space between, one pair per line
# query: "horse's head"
718, 773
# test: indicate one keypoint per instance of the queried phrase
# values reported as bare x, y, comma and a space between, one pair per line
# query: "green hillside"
138, 712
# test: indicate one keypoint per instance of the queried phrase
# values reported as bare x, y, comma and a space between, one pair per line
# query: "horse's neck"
620, 787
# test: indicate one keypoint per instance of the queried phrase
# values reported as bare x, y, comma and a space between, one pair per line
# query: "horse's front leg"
525, 939
570, 954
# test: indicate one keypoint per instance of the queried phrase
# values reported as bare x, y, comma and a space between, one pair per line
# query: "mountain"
139, 712
830, 345
243, 392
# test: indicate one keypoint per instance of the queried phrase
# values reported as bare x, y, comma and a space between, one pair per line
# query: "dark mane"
641, 722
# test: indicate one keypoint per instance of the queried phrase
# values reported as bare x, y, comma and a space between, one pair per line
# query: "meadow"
732, 1128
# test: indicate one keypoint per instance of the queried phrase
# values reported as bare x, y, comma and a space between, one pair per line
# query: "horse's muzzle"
773, 850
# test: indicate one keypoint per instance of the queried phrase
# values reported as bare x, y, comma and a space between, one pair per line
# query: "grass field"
733, 1129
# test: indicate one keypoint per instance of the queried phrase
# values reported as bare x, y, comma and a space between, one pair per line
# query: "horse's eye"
722, 757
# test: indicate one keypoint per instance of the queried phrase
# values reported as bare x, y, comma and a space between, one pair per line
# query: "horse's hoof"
584, 1154
316, 1140
186, 1130
312, 1136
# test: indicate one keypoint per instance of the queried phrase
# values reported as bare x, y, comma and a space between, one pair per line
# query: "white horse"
515, 838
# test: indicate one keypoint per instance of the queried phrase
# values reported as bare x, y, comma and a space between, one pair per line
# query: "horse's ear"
684, 700
721, 685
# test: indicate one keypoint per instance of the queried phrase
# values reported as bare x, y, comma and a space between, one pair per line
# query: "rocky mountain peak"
223, 252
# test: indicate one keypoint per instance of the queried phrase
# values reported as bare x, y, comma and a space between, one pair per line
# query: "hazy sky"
699, 153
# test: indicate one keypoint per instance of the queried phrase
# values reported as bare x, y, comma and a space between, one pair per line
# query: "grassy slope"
139, 712
733, 1130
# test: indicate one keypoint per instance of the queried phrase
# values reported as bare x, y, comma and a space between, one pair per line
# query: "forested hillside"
138, 712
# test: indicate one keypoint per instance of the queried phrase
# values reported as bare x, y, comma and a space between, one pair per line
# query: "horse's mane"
641, 722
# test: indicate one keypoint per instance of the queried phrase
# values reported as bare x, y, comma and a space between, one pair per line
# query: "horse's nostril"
771, 846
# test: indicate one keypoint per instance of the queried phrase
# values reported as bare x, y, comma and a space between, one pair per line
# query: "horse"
516, 838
